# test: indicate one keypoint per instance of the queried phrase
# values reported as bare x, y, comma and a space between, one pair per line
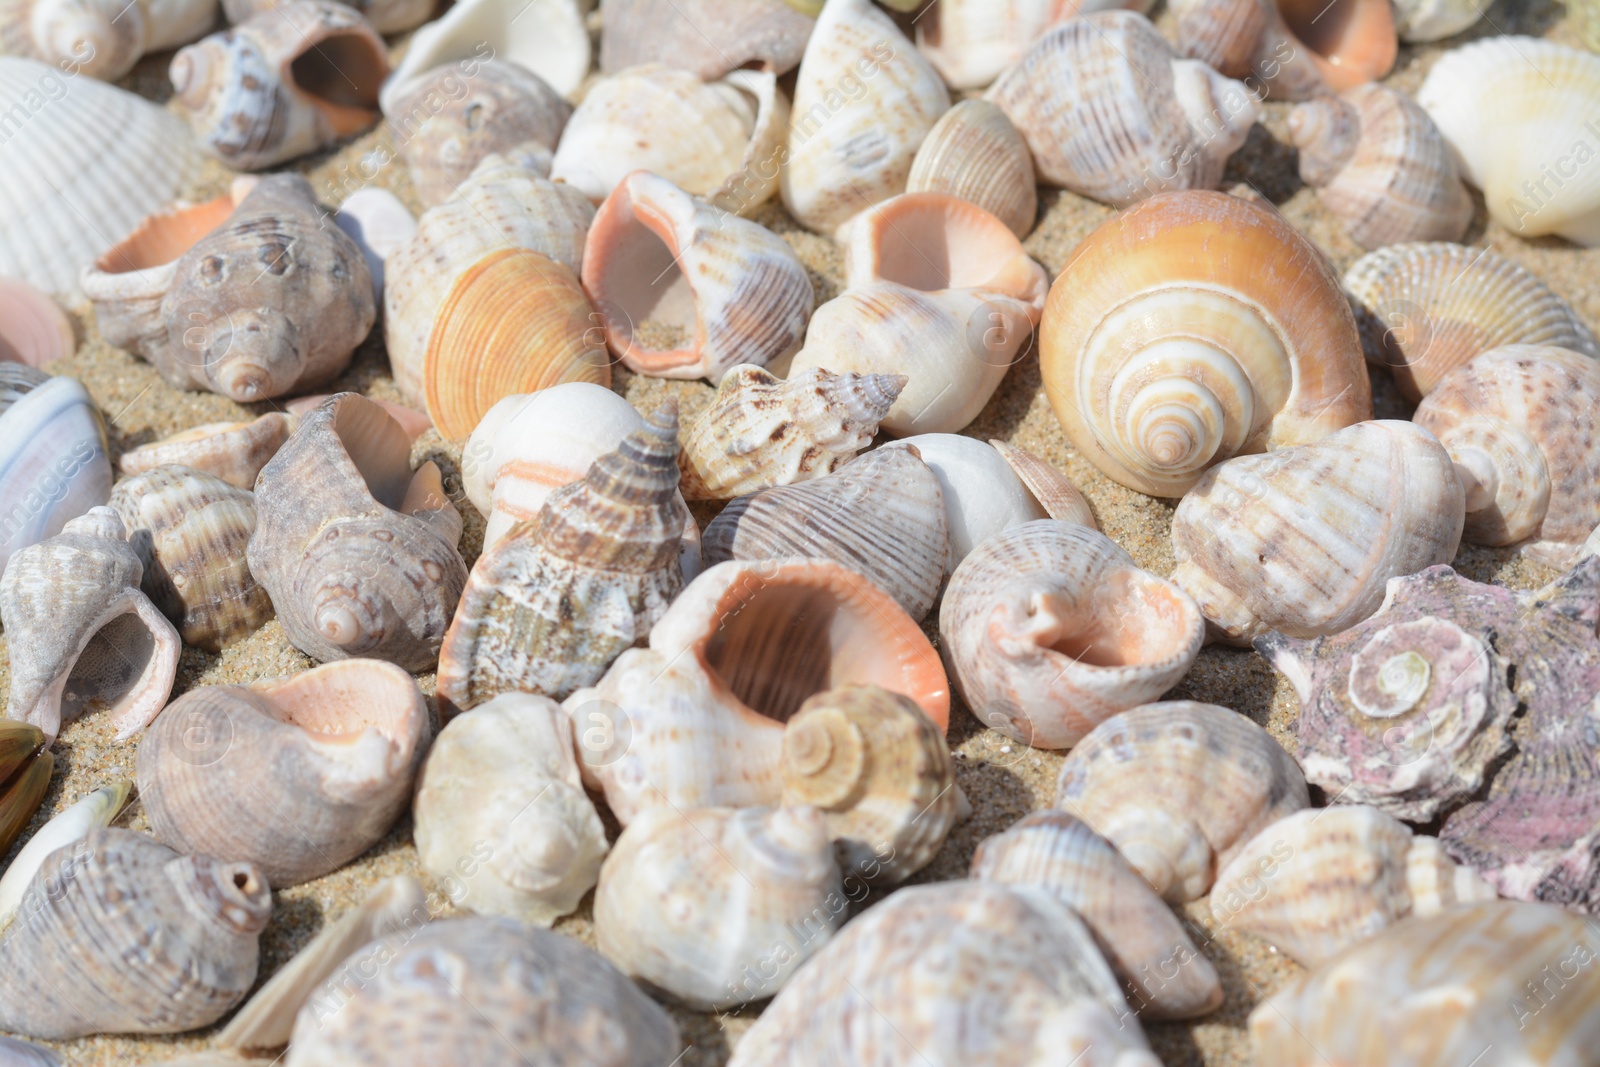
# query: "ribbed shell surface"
54, 462
975, 153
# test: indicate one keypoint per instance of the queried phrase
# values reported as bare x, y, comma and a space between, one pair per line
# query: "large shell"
297, 775
1161, 970
1425, 309
191, 922
1286, 47
235, 452
502, 821
1018, 981
1049, 629
1179, 787
25, 769
708, 38
546, 37
971, 42
1193, 328
1303, 540
975, 153
65, 830
357, 552
100, 38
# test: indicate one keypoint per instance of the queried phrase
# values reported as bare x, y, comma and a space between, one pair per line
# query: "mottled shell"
501, 819
297, 775
1049, 629
235, 452
881, 773
1179, 787
1193, 328
25, 769
546, 37
708, 38
970, 42
1304, 540
490, 992
1161, 970
976, 154
1286, 47
1018, 980
33, 328
191, 922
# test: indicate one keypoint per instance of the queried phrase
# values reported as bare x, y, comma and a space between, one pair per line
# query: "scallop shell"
1426, 309
25, 769
734, 288
1304, 540
708, 38
1049, 629
33, 328
100, 38
235, 452
970, 42
68, 829
1286, 46
500, 799
1434, 20
1161, 971
718, 906
190, 921
386, 16
974, 152
1380, 164
357, 552
1179, 787
1193, 328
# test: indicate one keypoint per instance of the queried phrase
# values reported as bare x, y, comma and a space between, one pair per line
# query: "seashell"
761, 432
1053, 491
1426, 309
1193, 328
177, 22
285, 82
1336, 876
447, 122
386, 16
881, 514
81, 632
1049, 629
1380, 164
500, 807
25, 769
721, 140
1286, 46
863, 102
1019, 981
1442, 990
696, 720
412, 421
1433, 20
1177, 121
733, 288
1179, 787
974, 152
1160, 969
1304, 540
296, 775
14, 1053
100, 38
67, 829
357, 552
970, 42
378, 223
718, 906
546, 37
33, 328
190, 921
1516, 111
491, 992
881, 773
101, 160
1511, 420
232, 451
708, 38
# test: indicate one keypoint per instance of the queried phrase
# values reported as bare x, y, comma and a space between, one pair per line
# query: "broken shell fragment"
971, 42
100, 808
232, 451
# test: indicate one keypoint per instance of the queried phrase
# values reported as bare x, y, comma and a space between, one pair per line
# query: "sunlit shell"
546, 37
1289, 47
33, 328
708, 38
975, 153
66, 830
232, 451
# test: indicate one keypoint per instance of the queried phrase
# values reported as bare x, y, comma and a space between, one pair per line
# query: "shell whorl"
1326, 130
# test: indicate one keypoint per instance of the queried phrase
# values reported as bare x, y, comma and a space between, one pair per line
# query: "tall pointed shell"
1049, 629
235, 452
1287, 46
975, 153
33, 328
100, 38
1161, 970
297, 775
190, 921
500, 797
971, 42
66, 830
550, 606
1179, 787
708, 38
357, 552
1304, 540
1019, 981
734, 288
1380, 164
718, 906
1426, 309
863, 102
881, 513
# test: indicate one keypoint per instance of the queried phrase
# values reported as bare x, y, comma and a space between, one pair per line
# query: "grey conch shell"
357, 552
80, 630
119, 935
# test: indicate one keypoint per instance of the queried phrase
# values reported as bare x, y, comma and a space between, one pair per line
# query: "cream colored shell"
971, 42
975, 153
235, 452
709, 38
546, 37
100, 38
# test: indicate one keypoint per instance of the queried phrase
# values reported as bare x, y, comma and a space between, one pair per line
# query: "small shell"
100, 38
708, 38
971, 42
25, 769
976, 154
1380, 164
1426, 309
357, 552
232, 451
500, 810
882, 514
33, 328
1434, 20
1179, 787
1304, 540
546, 37
734, 288
100, 808
1286, 47
297, 775
1336, 876
1049, 629
379, 223
718, 906
190, 921
1161, 970
386, 16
